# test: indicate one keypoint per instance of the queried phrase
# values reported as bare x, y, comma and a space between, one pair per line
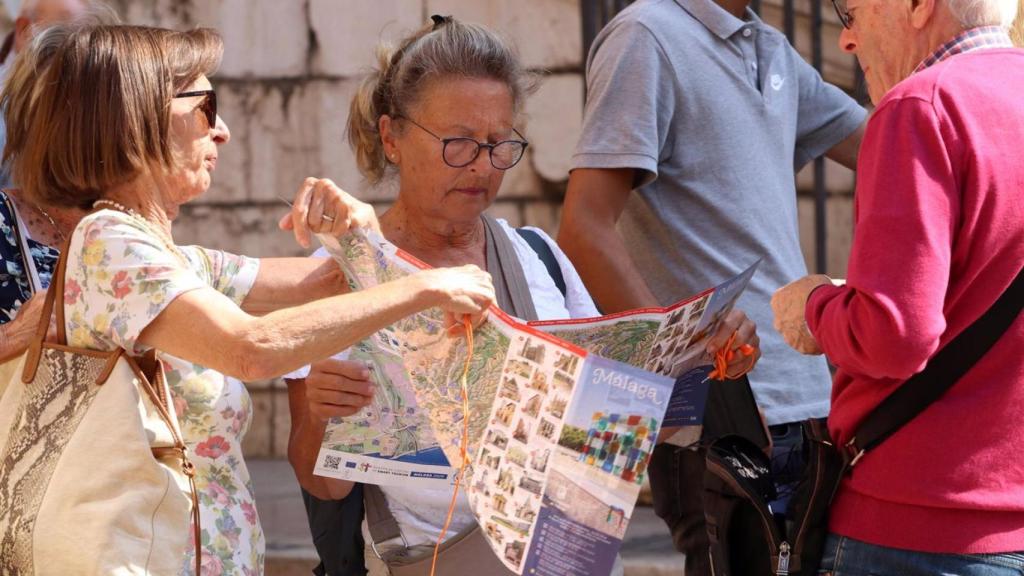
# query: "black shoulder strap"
546, 256
942, 372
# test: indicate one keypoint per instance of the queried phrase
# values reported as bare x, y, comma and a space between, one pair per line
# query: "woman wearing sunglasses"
141, 139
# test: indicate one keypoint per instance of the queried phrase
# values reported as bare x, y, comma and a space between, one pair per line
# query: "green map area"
627, 341
438, 388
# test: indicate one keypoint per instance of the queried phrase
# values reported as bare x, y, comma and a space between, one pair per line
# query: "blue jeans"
848, 557
787, 465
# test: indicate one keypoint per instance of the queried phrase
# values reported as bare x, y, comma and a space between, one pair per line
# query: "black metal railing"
597, 13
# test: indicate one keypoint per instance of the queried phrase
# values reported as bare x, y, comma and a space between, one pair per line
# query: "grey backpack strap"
467, 552
379, 519
511, 287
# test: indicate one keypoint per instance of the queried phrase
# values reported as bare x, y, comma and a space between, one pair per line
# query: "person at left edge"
44, 226
34, 15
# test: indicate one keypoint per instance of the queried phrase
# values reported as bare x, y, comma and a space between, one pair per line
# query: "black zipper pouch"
746, 539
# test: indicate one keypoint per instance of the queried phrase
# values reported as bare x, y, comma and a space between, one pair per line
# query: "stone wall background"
291, 67
1017, 33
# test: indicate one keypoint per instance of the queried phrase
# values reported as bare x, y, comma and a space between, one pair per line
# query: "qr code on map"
331, 462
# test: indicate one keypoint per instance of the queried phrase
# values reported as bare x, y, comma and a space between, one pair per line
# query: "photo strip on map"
669, 341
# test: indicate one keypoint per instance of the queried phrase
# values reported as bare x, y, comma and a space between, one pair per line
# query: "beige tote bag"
94, 476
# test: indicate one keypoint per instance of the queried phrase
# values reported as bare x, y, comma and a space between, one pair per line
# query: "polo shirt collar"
715, 18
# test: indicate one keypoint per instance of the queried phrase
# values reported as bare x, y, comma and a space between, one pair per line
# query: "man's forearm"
606, 267
594, 200
846, 151
304, 441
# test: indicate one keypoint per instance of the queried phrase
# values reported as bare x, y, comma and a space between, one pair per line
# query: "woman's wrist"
426, 293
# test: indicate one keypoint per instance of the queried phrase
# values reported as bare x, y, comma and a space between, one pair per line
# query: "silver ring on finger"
327, 218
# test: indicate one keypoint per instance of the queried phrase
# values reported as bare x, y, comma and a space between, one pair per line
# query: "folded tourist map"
563, 416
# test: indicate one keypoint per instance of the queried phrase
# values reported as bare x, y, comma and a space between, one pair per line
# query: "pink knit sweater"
939, 235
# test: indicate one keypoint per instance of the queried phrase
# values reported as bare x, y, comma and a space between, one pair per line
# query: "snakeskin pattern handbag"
94, 475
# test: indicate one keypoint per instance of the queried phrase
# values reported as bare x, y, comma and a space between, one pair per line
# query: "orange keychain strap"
464, 448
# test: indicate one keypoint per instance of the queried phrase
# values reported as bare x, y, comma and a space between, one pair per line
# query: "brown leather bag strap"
190, 471
179, 450
35, 349
57, 286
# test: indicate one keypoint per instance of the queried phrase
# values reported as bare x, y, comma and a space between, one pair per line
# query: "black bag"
745, 537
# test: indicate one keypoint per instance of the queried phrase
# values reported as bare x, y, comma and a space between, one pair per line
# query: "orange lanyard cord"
727, 354
463, 449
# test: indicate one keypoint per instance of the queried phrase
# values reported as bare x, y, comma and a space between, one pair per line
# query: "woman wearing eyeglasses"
438, 118
140, 138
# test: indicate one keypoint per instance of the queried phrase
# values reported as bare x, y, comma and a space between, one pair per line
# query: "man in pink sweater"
939, 236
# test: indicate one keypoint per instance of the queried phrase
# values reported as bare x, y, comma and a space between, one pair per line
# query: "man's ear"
921, 13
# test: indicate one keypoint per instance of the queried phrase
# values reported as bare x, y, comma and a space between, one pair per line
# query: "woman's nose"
482, 162
221, 133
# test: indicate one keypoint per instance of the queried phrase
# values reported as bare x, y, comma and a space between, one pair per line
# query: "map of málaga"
628, 341
416, 415
436, 383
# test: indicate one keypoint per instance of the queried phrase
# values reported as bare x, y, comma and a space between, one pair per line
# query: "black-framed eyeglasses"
844, 15
459, 152
208, 105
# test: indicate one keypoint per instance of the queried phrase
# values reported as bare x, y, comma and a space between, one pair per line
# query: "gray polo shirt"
715, 114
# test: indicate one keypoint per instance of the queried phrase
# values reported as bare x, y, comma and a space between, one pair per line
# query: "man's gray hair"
974, 13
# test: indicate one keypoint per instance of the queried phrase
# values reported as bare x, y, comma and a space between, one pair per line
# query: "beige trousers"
376, 567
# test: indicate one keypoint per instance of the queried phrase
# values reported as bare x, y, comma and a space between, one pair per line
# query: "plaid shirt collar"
967, 41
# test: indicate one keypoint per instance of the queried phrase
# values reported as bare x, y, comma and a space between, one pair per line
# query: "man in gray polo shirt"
698, 115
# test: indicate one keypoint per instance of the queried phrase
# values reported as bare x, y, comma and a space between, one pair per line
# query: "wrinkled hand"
338, 388
321, 207
460, 291
30, 312
736, 322
789, 304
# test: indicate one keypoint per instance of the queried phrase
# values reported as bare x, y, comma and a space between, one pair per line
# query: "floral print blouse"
15, 286
120, 276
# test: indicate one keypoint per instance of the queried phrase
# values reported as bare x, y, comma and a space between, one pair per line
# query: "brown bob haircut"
87, 107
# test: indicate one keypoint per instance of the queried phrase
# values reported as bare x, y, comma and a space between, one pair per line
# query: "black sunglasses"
208, 105
842, 13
